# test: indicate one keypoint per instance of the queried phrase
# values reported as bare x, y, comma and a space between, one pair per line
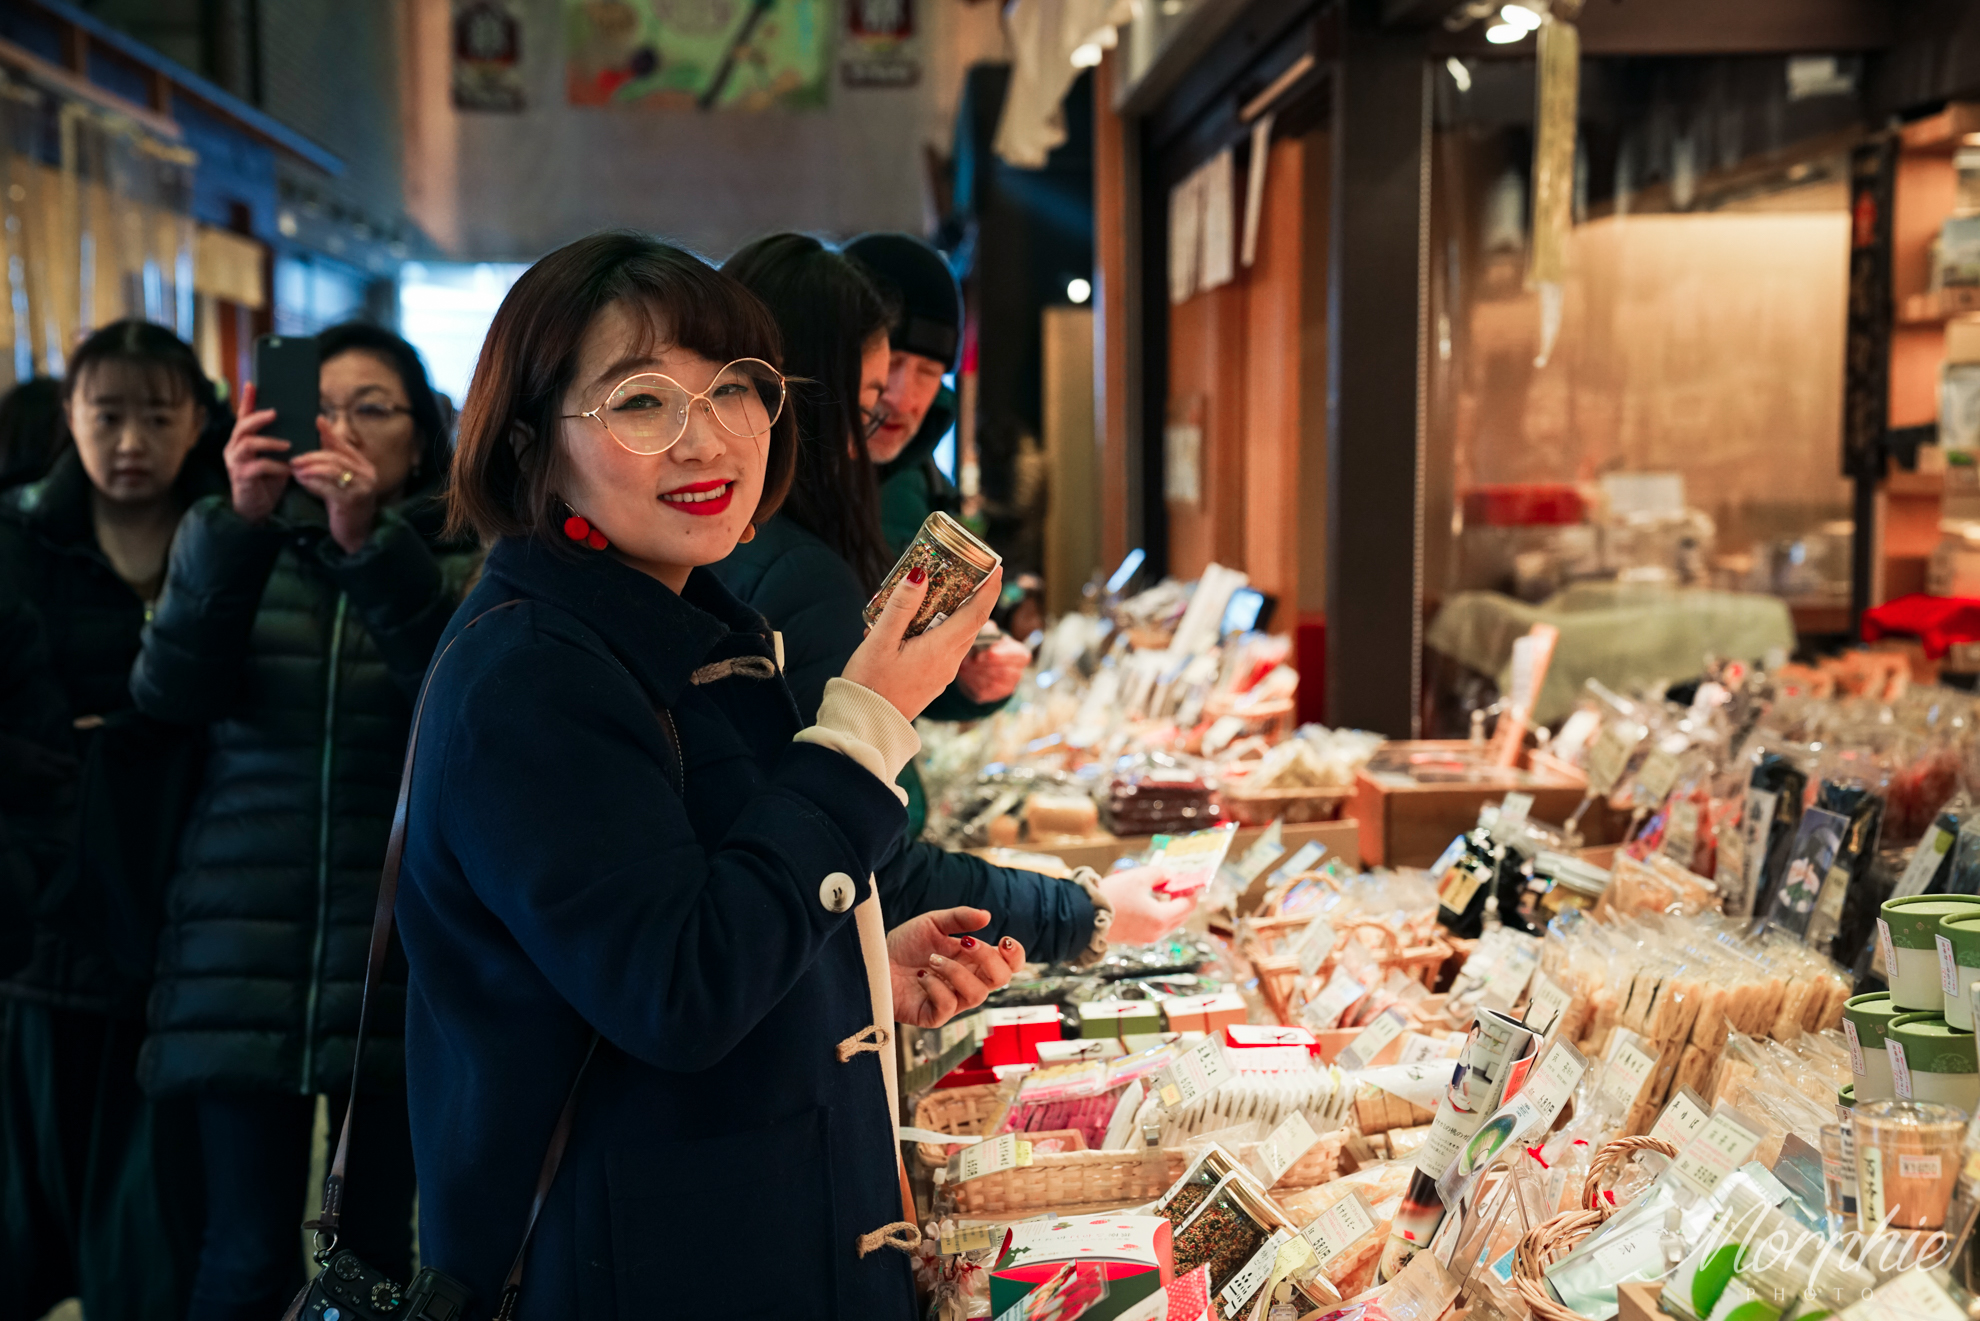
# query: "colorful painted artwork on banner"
706, 54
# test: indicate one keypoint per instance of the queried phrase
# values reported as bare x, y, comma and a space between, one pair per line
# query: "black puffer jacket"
57, 585
302, 661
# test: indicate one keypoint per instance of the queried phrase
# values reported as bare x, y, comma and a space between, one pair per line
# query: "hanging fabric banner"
697, 54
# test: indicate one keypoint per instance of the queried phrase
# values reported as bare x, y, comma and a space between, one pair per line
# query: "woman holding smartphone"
298, 616
621, 833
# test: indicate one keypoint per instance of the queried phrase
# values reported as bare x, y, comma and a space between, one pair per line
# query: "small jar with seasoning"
956, 561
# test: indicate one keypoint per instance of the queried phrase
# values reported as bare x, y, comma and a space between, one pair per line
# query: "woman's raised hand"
938, 971
912, 672
255, 469
346, 481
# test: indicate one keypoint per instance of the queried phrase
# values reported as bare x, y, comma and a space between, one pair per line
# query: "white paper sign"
1681, 1119
1417, 1048
1286, 1144
1251, 1279
1303, 861
1197, 1072
1884, 946
1323, 1012
1374, 1038
1549, 1002
1314, 946
1513, 810
1914, 1295
1339, 1228
1264, 851
1900, 1070
1629, 1067
1721, 1147
1855, 1049
1948, 967
1924, 863
989, 1157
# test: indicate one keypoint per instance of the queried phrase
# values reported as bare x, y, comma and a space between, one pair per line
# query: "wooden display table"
1099, 852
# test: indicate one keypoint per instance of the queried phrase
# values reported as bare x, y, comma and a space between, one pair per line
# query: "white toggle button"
836, 892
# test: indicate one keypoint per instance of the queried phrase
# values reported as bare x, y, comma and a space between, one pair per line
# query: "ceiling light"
1459, 74
1503, 34
1520, 17
1078, 290
1088, 56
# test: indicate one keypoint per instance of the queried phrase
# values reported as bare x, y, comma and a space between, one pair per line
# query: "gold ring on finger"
344, 478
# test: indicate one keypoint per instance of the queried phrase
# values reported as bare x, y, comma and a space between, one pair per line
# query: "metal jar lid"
959, 541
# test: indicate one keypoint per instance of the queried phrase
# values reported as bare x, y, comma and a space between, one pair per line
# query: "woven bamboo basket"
1063, 1181
1608, 1166
1320, 1164
1279, 977
1550, 1240
1293, 806
967, 1112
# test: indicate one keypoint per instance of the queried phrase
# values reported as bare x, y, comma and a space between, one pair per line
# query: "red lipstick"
702, 499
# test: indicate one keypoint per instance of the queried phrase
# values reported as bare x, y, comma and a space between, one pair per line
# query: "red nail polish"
921, 972
1008, 943
917, 575
967, 943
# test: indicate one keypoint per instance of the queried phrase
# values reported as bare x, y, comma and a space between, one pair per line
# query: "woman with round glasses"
622, 837
298, 615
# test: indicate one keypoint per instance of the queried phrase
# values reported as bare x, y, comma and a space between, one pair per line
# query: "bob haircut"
172, 372
508, 466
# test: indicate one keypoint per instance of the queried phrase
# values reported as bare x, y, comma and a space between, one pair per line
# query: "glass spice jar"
956, 561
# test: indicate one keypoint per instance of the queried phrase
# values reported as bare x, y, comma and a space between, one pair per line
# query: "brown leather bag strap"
332, 1212
545, 1177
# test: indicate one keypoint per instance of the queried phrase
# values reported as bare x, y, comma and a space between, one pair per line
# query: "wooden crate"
1341, 838
1407, 823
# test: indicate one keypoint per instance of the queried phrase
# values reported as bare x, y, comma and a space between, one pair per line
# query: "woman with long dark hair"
295, 626
811, 569
622, 838
99, 1189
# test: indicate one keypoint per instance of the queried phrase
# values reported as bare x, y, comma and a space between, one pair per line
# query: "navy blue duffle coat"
724, 1161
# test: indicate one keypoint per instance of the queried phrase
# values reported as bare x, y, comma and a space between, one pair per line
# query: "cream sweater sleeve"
864, 726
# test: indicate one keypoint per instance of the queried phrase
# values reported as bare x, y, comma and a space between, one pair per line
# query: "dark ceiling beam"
1688, 27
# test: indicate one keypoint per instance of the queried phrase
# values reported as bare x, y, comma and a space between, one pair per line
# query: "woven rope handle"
1541, 1246
1609, 1162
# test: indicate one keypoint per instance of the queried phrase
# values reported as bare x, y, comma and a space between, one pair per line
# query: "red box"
1012, 1035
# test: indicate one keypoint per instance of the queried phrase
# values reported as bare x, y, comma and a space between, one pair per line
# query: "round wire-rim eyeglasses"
774, 409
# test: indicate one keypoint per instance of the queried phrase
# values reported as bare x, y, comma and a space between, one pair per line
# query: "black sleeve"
815, 602
1051, 918
399, 589
195, 647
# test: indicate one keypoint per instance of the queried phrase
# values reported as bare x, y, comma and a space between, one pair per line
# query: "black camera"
348, 1290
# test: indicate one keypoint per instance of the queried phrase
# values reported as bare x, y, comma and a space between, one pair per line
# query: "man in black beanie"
926, 343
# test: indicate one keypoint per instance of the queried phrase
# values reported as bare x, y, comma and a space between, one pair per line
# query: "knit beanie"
915, 276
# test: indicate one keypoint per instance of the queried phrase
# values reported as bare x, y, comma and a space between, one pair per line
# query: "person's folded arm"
590, 859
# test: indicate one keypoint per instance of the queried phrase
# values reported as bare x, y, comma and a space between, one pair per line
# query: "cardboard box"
1638, 1302
1204, 1013
1120, 1018
1011, 1036
1132, 1253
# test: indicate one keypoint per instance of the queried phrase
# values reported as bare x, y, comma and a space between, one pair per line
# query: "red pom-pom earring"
578, 529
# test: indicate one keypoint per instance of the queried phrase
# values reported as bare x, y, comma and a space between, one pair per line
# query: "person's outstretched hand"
938, 971
1140, 915
256, 470
992, 674
911, 672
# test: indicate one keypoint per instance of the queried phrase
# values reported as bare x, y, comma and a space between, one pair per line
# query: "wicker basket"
1608, 1165
1279, 977
1320, 1163
1550, 1240
1293, 806
967, 1112
1069, 1180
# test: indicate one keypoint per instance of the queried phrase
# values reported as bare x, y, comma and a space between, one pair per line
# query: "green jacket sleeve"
196, 644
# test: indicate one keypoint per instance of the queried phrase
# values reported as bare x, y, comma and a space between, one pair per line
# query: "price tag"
1510, 973
1286, 1144
1196, 1073
1681, 1119
989, 1157
1248, 1281
1900, 1071
1681, 835
1884, 946
1629, 1067
1315, 946
1640, 1250
1264, 851
1302, 861
971, 1238
1655, 778
1721, 1147
1855, 1049
1919, 1167
1361, 1052
1914, 1295
1549, 1001
1610, 755
1924, 864
1948, 967
1513, 810
1323, 1012
1418, 1047
1550, 1085
1343, 1225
